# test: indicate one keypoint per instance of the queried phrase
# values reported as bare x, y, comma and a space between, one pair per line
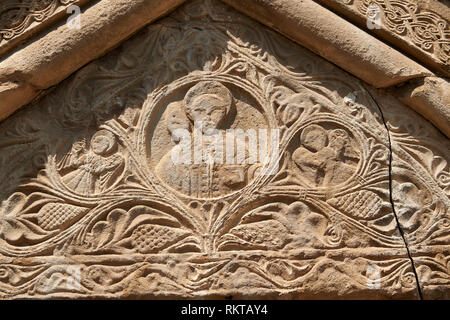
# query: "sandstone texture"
252, 149
417, 27
22, 20
26, 74
62, 50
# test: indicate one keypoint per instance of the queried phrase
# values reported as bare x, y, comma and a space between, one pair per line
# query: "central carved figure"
205, 174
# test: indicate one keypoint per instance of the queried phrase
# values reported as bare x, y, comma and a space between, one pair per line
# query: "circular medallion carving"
203, 139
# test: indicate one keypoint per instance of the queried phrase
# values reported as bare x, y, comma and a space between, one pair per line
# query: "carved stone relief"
428, 31
420, 192
92, 203
208, 105
19, 16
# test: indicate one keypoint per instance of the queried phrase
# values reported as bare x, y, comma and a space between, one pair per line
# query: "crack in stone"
419, 290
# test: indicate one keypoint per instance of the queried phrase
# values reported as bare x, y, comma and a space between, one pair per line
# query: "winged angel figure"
93, 169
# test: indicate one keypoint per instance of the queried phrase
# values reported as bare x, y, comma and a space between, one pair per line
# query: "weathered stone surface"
420, 28
57, 54
63, 50
420, 192
113, 184
21, 20
330, 36
355, 51
431, 98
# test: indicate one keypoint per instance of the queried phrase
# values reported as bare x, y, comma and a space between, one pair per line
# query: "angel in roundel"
94, 168
325, 157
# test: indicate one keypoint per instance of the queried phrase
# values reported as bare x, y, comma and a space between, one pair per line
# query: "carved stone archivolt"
18, 16
93, 205
427, 30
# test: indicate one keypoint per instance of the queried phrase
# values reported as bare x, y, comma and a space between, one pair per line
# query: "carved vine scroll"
91, 204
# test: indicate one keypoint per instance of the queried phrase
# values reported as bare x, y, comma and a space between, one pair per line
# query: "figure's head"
338, 140
314, 138
103, 142
207, 104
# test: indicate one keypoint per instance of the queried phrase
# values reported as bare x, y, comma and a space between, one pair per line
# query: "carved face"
208, 111
100, 144
314, 138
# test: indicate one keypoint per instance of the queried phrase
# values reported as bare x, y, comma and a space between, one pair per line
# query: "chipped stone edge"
53, 57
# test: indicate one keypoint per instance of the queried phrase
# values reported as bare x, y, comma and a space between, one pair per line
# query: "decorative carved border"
425, 30
18, 16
